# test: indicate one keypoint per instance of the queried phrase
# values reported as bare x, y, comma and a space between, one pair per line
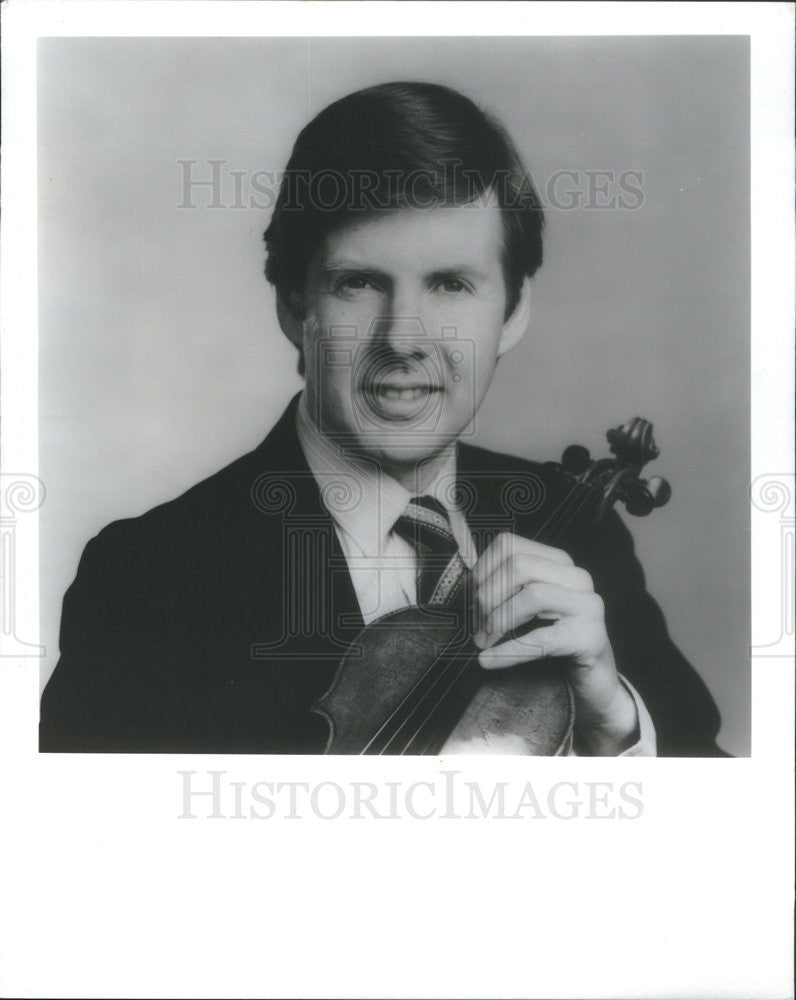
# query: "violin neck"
581, 504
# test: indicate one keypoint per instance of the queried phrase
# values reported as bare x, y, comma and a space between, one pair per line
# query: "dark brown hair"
392, 146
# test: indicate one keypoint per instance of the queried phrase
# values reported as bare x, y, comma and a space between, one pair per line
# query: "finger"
533, 646
506, 545
538, 599
521, 570
580, 642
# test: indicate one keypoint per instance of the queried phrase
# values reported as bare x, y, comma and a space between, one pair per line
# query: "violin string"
561, 516
429, 677
438, 704
571, 507
416, 699
402, 705
580, 497
422, 704
569, 510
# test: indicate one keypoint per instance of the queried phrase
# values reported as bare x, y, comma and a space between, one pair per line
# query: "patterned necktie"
441, 571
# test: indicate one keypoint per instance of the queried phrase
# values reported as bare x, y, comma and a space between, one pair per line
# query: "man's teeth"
392, 393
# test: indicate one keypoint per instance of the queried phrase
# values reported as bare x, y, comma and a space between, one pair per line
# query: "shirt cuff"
646, 745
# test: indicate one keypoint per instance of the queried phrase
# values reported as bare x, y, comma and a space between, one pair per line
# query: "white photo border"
109, 893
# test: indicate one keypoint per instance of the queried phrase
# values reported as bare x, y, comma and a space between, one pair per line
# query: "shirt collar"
362, 499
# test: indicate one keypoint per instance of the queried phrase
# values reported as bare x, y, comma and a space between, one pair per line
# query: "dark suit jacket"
213, 622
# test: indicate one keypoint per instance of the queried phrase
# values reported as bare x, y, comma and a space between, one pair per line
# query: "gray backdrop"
161, 359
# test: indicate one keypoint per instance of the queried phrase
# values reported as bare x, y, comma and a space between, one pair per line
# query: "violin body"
410, 683
527, 710
432, 696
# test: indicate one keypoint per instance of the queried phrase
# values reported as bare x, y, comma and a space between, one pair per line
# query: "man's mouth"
389, 391
399, 400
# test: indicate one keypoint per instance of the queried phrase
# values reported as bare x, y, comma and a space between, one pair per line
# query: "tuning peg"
659, 490
576, 459
646, 495
639, 503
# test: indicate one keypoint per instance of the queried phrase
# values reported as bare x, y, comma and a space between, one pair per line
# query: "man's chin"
400, 454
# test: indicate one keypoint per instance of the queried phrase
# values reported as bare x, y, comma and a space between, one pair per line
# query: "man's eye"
354, 283
452, 285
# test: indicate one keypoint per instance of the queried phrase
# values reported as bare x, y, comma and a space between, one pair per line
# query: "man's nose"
401, 327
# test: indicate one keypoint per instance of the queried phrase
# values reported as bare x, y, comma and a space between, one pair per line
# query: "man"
402, 248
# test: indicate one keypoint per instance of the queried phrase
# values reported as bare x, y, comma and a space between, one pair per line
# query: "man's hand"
517, 580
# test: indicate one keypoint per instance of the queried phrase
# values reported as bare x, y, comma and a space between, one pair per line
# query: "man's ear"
516, 325
289, 315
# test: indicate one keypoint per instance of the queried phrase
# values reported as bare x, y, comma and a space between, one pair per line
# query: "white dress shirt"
364, 503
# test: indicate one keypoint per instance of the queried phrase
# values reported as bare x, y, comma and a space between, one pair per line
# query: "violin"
410, 682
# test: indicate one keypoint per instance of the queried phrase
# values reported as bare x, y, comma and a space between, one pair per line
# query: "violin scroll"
619, 479
633, 443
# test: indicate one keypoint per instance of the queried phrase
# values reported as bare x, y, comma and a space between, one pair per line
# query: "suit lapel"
501, 493
291, 576
286, 561
481, 490
288, 570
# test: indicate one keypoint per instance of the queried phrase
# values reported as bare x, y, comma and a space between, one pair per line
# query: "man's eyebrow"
458, 271
448, 271
337, 264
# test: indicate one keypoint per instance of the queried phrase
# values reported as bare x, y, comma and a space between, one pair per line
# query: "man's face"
403, 323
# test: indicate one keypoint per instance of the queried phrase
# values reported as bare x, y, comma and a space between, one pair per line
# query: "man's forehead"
449, 236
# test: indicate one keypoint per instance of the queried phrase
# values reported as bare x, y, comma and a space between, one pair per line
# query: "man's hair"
393, 146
